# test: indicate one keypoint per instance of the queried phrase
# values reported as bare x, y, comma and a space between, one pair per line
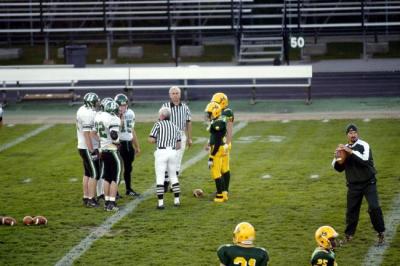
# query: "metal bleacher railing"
252, 23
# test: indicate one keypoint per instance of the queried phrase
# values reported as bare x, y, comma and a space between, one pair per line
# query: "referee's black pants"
355, 194
127, 153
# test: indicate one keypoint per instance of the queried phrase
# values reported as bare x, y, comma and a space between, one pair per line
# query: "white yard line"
24, 137
375, 253
101, 230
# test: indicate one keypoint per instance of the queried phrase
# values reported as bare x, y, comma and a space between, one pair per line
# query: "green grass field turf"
285, 209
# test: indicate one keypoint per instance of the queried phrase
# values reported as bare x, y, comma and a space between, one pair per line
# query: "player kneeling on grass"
218, 149
107, 127
324, 254
243, 251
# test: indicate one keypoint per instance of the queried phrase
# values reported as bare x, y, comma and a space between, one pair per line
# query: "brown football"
198, 192
6, 220
39, 220
28, 220
340, 156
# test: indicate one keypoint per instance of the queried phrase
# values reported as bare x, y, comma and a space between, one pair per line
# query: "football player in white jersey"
100, 188
87, 149
107, 128
129, 144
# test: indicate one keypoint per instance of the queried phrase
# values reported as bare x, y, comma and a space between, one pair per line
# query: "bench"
134, 78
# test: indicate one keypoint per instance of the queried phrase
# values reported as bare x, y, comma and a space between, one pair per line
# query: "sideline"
25, 137
101, 230
374, 255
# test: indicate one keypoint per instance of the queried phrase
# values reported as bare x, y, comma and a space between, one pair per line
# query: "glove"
210, 163
94, 155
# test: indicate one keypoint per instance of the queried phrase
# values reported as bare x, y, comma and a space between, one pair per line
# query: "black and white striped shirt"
166, 134
180, 114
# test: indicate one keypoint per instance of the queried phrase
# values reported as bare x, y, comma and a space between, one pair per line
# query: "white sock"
112, 198
160, 202
176, 200
107, 198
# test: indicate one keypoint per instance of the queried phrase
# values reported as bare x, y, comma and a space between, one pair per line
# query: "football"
340, 156
39, 220
198, 192
6, 220
28, 220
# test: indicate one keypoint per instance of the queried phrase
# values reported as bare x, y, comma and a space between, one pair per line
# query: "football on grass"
6, 220
39, 220
340, 156
198, 192
28, 220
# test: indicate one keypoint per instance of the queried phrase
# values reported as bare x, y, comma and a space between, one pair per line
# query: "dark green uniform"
323, 257
217, 135
227, 115
231, 255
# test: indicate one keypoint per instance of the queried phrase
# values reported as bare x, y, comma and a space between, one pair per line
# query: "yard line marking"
374, 256
104, 228
25, 137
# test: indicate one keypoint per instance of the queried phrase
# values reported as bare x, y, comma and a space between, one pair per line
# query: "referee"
167, 137
181, 117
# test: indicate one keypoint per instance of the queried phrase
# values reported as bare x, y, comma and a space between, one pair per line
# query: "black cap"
351, 127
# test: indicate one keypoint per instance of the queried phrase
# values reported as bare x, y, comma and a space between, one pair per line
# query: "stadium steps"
255, 48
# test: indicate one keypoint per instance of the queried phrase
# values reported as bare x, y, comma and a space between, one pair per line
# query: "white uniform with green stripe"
84, 122
105, 123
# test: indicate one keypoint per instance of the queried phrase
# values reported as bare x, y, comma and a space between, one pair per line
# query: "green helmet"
111, 107
104, 101
90, 99
121, 99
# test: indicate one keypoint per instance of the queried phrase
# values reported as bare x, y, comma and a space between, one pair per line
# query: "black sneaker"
132, 193
85, 200
101, 197
381, 239
177, 204
112, 206
92, 203
347, 239
106, 203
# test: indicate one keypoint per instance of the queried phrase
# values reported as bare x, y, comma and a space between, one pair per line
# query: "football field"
282, 182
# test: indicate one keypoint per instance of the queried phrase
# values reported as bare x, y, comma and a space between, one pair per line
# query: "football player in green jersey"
324, 254
228, 117
243, 252
218, 148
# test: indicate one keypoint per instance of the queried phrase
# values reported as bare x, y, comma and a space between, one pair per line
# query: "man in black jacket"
361, 182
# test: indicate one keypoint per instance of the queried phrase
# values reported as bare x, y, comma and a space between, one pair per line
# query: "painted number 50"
297, 42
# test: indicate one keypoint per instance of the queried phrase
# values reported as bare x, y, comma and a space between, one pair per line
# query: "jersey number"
101, 129
322, 262
128, 127
243, 262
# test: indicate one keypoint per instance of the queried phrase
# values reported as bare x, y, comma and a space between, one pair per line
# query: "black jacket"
358, 166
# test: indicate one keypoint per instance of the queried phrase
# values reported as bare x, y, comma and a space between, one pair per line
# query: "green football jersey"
217, 132
231, 255
323, 257
227, 115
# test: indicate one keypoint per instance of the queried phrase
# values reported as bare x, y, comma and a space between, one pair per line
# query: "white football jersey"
127, 125
84, 122
105, 123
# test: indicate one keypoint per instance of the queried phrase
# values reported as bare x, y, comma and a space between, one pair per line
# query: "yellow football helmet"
326, 237
221, 99
213, 110
244, 233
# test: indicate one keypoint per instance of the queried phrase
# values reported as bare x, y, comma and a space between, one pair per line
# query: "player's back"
84, 122
232, 255
104, 123
323, 257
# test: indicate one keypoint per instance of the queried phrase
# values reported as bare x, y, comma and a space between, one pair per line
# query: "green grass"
285, 209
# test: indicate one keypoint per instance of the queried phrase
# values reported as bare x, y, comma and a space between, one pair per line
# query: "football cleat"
381, 239
160, 207
112, 206
225, 195
219, 198
92, 203
132, 193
